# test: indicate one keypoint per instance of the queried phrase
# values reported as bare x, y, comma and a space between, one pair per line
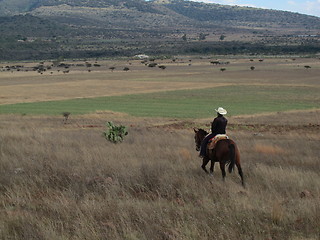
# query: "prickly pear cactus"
115, 133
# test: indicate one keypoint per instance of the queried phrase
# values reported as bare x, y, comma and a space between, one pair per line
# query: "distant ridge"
81, 28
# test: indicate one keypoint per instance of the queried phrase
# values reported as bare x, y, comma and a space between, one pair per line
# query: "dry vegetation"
65, 181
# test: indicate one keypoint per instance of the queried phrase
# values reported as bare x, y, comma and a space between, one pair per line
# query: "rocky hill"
83, 28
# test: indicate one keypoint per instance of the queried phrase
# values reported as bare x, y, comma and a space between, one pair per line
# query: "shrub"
152, 64
115, 133
66, 116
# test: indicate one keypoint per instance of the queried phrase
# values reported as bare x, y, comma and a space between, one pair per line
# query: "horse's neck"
203, 135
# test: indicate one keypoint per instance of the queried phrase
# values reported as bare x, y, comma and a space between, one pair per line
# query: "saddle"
213, 141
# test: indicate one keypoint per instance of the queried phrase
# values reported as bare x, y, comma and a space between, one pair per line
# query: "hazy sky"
310, 7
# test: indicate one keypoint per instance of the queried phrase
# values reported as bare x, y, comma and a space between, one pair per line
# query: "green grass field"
238, 99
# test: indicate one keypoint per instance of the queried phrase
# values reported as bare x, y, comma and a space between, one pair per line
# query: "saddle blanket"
213, 141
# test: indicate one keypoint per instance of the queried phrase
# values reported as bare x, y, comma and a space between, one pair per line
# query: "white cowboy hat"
221, 111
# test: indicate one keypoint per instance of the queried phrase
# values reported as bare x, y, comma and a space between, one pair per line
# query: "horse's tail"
232, 156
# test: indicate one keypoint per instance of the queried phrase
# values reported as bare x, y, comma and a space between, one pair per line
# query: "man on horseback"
218, 126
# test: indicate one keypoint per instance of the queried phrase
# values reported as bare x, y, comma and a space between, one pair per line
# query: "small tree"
202, 36
222, 69
66, 116
252, 68
152, 64
162, 67
115, 134
222, 37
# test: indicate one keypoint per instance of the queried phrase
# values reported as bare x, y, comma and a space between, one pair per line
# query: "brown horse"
225, 152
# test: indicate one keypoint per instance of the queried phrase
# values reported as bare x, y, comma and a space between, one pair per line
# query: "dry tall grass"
65, 181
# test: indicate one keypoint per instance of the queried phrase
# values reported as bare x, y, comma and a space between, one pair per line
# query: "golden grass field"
66, 181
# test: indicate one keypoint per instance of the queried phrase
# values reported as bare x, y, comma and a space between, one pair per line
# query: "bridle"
198, 139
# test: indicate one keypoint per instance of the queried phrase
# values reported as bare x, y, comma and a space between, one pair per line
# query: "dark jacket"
219, 125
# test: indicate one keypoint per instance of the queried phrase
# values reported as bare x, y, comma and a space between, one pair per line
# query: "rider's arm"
214, 125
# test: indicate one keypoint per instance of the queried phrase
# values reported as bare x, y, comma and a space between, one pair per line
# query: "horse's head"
198, 137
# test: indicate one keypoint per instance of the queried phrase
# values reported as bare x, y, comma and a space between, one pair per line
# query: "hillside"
82, 28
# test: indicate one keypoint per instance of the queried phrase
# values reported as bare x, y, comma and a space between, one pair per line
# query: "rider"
218, 126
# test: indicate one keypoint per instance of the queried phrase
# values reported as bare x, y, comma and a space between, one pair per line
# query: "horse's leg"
239, 167
212, 166
223, 170
204, 164
240, 173
211, 154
